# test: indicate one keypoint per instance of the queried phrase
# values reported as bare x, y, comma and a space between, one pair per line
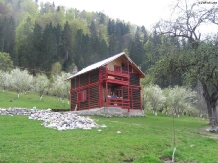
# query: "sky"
138, 12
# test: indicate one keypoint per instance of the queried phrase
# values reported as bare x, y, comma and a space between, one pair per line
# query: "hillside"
30, 100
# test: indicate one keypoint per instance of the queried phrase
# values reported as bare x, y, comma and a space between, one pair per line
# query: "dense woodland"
39, 35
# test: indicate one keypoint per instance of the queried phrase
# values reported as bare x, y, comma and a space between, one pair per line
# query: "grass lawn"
29, 100
142, 139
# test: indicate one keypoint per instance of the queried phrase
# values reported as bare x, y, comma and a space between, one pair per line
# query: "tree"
23, 40
154, 94
4, 80
187, 25
36, 41
60, 86
56, 68
20, 81
49, 48
5, 62
7, 37
199, 61
67, 46
41, 84
137, 52
179, 98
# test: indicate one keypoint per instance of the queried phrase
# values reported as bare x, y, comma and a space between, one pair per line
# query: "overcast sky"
139, 12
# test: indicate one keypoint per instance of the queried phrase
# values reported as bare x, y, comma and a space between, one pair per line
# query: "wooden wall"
90, 83
134, 79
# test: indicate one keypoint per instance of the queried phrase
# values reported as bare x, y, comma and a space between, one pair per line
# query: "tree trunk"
211, 101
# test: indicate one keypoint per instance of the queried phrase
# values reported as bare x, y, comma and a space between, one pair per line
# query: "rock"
56, 120
103, 126
215, 129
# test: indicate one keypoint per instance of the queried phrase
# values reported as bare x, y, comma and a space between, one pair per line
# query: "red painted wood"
140, 100
89, 90
120, 79
128, 88
106, 93
100, 89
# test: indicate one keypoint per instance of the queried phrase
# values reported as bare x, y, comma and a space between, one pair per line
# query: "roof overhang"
105, 62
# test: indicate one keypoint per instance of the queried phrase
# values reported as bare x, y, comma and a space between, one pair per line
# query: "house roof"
106, 61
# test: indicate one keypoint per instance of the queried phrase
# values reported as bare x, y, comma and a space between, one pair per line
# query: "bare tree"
188, 19
199, 61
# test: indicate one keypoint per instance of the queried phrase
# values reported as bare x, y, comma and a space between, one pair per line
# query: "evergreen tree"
7, 37
67, 41
49, 48
137, 52
36, 51
82, 52
58, 35
145, 37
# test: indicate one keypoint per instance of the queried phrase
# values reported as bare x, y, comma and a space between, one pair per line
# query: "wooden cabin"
113, 82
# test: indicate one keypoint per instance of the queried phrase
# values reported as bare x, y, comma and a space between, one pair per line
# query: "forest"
39, 35
43, 38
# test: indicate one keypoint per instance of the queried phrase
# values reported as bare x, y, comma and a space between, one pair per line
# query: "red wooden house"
113, 82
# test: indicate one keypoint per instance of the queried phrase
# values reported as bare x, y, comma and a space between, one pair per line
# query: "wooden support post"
100, 89
79, 91
140, 100
132, 98
106, 94
88, 90
128, 87
70, 99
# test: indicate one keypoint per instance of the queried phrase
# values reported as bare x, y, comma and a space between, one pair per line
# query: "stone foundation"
111, 112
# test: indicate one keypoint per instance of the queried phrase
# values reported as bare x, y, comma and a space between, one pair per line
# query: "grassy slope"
29, 100
142, 139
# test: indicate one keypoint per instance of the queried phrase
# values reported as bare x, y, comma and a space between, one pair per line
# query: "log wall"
73, 100
134, 79
136, 96
90, 82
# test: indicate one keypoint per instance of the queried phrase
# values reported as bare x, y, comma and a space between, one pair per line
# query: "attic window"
117, 68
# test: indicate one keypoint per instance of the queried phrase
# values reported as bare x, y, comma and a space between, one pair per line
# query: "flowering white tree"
20, 81
4, 80
166, 104
154, 95
60, 86
180, 98
41, 84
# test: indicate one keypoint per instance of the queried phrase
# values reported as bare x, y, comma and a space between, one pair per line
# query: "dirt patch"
166, 159
129, 160
169, 160
208, 134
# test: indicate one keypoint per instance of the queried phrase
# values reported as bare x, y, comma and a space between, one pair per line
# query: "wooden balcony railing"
116, 77
118, 102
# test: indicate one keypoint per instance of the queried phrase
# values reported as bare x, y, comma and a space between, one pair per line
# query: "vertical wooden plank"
71, 94
128, 87
106, 94
89, 90
100, 89
140, 99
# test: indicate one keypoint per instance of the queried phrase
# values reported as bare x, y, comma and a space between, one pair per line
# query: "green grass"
29, 100
142, 139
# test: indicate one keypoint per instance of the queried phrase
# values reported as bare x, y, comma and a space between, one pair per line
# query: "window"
81, 96
117, 68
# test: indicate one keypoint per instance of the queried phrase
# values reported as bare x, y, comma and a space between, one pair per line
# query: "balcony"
118, 102
118, 73
115, 77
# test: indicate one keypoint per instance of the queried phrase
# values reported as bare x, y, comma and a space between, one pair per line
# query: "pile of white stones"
16, 111
56, 120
